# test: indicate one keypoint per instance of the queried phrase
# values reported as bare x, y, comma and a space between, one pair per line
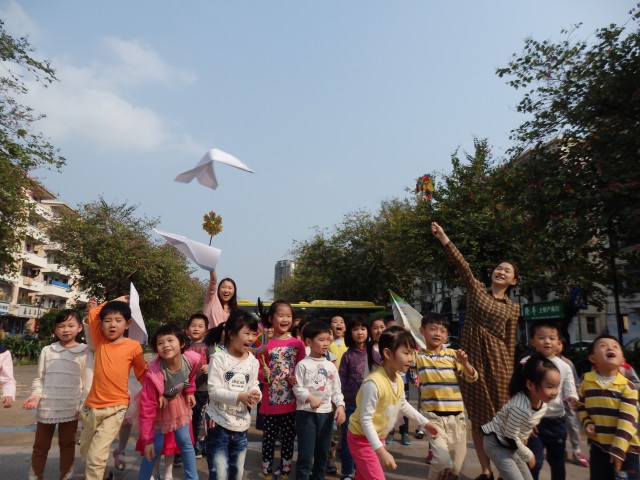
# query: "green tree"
109, 247
21, 148
577, 152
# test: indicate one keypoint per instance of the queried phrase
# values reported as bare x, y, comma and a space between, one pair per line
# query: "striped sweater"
438, 374
613, 409
513, 424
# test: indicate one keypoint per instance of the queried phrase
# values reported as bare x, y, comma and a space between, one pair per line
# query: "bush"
23, 349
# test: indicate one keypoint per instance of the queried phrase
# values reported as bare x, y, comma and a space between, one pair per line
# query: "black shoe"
331, 467
177, 461
484, 476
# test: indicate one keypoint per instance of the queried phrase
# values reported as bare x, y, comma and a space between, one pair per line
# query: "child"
532, 386
278, 362
571, 418
338, 346
57, 393
196, 329
317, 386
552, 431
108, 398
219, 300
608, 410
353, 370
440, 397
233, 391
378, 403
377, 327
167, 399
7, 381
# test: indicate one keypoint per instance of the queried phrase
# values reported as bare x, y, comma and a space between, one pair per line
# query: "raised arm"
211, 300
456, 258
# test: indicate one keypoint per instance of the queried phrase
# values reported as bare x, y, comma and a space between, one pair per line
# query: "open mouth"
611, 355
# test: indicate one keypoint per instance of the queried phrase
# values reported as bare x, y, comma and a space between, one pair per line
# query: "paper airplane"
203, 255
407, 317
204, 173
137, 329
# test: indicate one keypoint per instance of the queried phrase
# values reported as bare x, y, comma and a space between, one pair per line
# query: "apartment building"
39, 283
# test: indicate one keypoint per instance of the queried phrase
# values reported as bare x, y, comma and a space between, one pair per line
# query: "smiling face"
377, 327
401, 359
239, 344
548, 388
607, 355
337, 327
545, 341
196, 330
67, 330
113, 326
504, 276
319, 345
281, 319
168, 347
226, 291
434, 335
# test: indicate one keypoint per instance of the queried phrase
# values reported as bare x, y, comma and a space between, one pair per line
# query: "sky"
336, 106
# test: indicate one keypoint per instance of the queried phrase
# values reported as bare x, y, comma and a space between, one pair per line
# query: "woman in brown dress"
488, 337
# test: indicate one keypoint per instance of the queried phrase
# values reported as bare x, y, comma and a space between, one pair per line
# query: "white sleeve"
411, 413
254, 384
569, 384
216, 382
38, 382
299, 390
368, 404
336, 389
7, 380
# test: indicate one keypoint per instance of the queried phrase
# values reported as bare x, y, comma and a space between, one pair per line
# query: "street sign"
544, 310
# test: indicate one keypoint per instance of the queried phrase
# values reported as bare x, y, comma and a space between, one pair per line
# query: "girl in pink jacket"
167, 400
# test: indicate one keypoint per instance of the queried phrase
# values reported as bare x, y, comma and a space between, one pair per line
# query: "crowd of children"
326, 375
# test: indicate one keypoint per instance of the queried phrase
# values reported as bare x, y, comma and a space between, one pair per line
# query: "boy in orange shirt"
108, 399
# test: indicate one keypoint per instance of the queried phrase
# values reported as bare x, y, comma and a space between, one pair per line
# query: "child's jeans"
202, 398
226, 451
183, 439
601, 468
314, 440
345, 455
552, 436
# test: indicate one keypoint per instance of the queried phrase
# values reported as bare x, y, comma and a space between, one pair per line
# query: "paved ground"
17, 430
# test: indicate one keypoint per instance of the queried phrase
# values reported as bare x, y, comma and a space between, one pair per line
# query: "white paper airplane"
137, 329
204, 172
203, 255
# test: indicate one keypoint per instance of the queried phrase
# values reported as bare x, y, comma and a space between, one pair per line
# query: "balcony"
37, 234
43, 211
34, 259
57, 289
31, 284
56, 268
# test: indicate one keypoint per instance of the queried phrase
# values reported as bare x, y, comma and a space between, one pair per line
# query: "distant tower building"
284, 269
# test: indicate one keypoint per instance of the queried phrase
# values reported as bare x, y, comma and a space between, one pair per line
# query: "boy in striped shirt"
440, 397
608, 410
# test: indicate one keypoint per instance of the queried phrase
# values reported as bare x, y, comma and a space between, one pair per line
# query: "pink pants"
367, 463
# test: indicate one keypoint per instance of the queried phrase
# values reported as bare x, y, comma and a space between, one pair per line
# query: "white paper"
204, 172
407, 317
137, 329
203, 255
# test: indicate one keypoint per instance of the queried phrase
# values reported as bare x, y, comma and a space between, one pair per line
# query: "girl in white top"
533, 385
233, 390
57, 393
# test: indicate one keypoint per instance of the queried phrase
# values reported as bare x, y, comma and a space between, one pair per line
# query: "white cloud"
89, 102
17, 22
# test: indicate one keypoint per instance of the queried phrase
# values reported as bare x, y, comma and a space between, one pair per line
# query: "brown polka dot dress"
488, 337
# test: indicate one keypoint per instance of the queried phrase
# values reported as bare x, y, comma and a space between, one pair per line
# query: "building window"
591, 325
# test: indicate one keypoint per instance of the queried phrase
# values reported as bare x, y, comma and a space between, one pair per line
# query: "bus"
323, 309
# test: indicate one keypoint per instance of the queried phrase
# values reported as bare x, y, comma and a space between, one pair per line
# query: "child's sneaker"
331, 467
405, 439
419, 433
389, 439
580, 459
118, 460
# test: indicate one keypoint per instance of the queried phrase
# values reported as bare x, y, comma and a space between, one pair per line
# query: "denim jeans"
226, 451
348, 467
601, 468
183, 439
552, 436
314, 432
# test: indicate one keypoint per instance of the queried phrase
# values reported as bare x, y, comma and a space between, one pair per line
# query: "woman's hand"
438, 232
